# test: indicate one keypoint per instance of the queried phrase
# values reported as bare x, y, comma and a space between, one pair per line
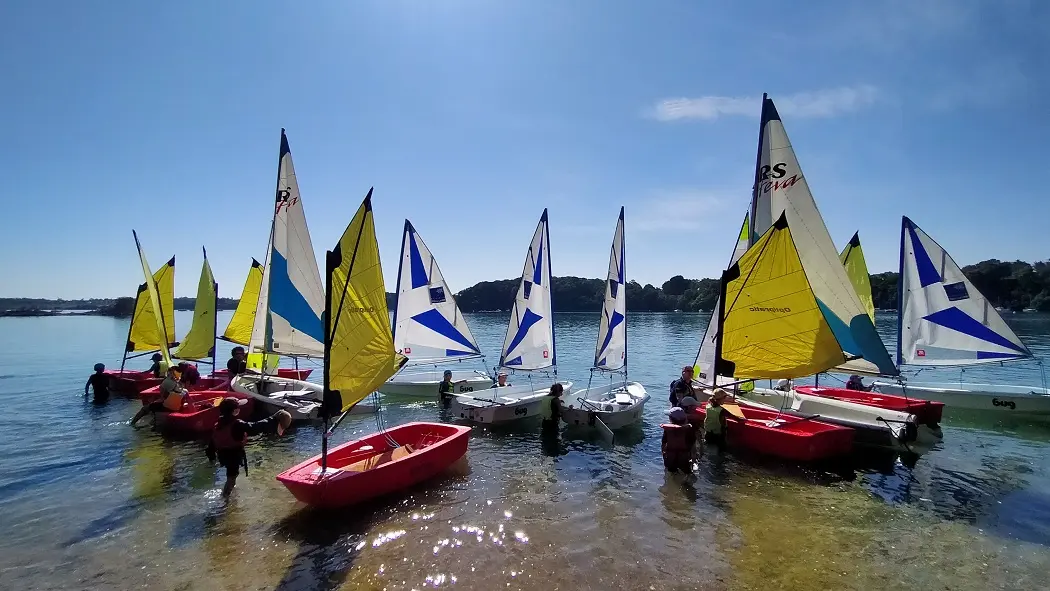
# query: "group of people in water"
688, 419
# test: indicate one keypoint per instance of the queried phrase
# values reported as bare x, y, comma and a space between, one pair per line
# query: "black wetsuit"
235, 367
100, 386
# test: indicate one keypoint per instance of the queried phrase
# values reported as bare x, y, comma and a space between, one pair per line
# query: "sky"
471, 116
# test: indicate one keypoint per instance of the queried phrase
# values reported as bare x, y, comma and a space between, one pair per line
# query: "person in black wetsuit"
99, 383
230, 434
683, 385
237, 363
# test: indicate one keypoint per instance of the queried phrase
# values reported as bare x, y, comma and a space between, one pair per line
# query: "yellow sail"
772, 326
239, 330
852, 258
200, 341
153, 298
359, 352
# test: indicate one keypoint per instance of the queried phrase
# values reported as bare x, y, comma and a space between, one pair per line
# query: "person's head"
447, 376
688, 402
556, 390
237, 353
677, 415
156, 357
175, 372
230, 406
100, 367
718, 397
502, 378
687, 372
783, 385
854, 379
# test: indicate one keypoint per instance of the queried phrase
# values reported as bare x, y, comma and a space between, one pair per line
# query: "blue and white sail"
610, 353
943, 319
291, 300
529, 344
780, 188
428, 325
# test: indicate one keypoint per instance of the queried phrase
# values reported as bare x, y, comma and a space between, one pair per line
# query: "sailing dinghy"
944, 321
429, 328
618, 403
239, 330
288, 313
199, 343
359, 357
528, 346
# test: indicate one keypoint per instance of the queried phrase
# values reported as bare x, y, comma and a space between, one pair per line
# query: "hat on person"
230, 404
502, 374
719, 394
687, 402
175, 369
782, 383
100, 367
156, 357
448, 372
677, 414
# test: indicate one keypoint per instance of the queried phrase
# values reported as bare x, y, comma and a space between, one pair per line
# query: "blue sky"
471, 116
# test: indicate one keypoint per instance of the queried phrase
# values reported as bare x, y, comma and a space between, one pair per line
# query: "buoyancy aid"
713, 419
223, 437
677, 437
173, 401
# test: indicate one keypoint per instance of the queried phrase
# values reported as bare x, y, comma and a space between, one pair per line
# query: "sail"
153, 298
530, 335
610, 353
781, 187
428, 325
703, 367
199, 342
360, 354
852, 258
943, 319
144, 334
239, 330
294, 292
772, 325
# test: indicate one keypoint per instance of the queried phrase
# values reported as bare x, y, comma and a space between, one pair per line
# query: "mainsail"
143, 335
529, 343
153, 301
291, 300
359, 348
852, 258
239, 330
610, 352
943, 319
703, 367
780, 187
199, 342
771, 325
428, 326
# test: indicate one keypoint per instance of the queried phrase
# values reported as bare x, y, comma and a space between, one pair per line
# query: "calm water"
89, 503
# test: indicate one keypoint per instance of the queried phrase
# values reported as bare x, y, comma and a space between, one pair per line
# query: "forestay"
428, 325
852, 258
292, 292
610, 352
780, 187
703, 367
154, 298
239, 330
529, 343
199, 342
943, 319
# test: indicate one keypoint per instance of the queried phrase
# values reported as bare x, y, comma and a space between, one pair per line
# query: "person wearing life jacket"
678, 443
159, 367
692, 413
190, 374
715, 416
172, 396
230, 434
682, 386
501, 380
551, 407
237, 363
447, 388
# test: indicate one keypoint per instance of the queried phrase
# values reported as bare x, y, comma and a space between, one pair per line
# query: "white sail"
781, 187
292, 291
530, 335
704, 366
943, 319
428, 326
610, 353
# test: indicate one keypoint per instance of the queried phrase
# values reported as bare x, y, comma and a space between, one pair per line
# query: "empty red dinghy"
927, 412
369, 467
788, 437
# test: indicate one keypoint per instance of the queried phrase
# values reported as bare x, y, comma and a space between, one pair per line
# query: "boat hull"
792, 439
926, 412
130, 383
199, 415
601, 403
152, 394
301, 399
1020, 400
425, 384
367, 468
507, 405
283, 372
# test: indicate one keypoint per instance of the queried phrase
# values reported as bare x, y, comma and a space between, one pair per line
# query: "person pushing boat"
683, 385
715, 420
172, 396
551, 410
190, 374
678, 443
231, 433
446, 388
237, 364
99, 383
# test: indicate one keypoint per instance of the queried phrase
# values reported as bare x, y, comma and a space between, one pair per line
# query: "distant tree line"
1016, 286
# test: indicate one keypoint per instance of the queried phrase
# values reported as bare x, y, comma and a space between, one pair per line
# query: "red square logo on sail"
544, 354
920, 352
408, 350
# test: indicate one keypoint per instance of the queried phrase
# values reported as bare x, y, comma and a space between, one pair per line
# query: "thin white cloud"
677, 210
817, 104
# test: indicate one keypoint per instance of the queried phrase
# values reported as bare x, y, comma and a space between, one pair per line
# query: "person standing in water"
230, 434
551, 410
715, 420
99, 383
683, 385
237, 364
446, 389
172, 396
678, 443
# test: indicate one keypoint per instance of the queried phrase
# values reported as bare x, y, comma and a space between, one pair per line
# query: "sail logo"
771, 178
1006, 403
361, 310
285, 199
920, 352
772, 309
408, 350
545, 354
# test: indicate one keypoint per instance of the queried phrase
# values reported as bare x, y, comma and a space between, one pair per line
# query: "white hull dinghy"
618, 404
1019, 400
301, 399
528, 347
429, 328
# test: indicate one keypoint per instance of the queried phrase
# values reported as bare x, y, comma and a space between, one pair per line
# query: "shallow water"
90, 503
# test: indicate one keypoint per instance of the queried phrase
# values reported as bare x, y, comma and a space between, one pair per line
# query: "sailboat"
618, 403
528, 347
429, 328
944, 321
288, 313
145, 336
360, 356
239, 330
781, 189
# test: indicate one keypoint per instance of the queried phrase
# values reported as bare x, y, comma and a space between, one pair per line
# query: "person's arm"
267, 425
663, 442
87, 385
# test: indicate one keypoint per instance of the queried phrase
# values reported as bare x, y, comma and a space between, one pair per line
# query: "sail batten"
428, 325
610, 352
153, 300
199, 342
529, 344
944, 319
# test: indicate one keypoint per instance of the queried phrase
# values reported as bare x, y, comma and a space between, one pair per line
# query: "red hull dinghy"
927, 412
200, 413
787, 437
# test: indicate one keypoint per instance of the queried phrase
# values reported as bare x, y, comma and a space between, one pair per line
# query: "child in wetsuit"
99, 382
230, 434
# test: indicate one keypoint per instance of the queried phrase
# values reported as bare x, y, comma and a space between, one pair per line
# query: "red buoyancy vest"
677, 436
222, 437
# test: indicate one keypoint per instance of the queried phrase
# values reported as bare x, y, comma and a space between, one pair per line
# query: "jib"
1007, 403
